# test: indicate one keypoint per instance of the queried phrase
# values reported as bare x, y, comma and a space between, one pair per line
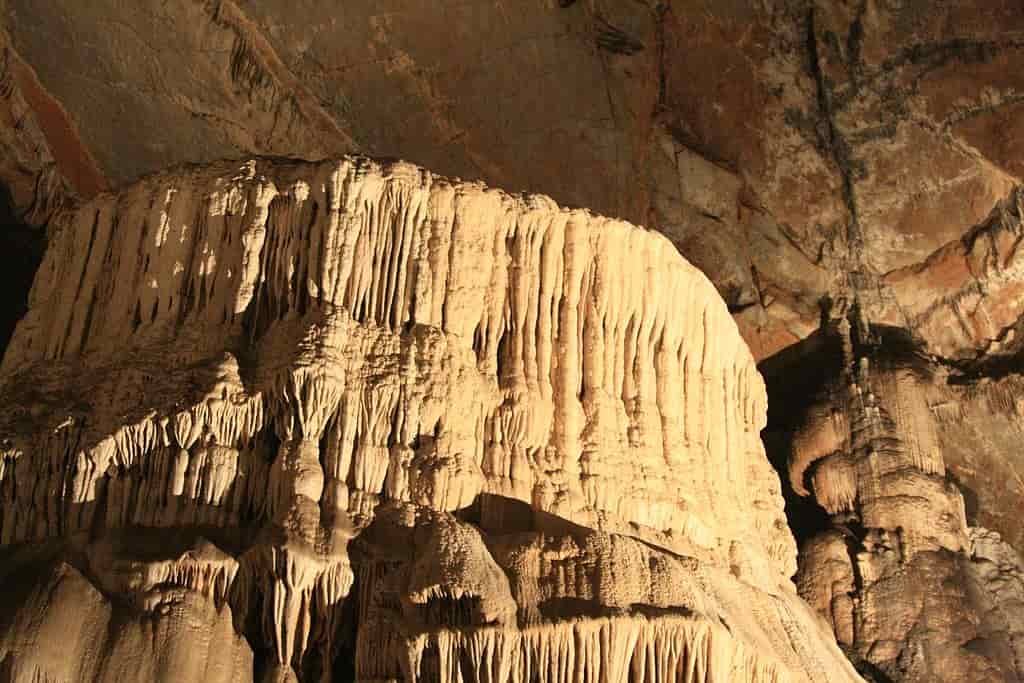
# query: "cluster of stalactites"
205, 570
617, 650
390, 246
869, 425
196, 466
301, 593
537, 353
210, 579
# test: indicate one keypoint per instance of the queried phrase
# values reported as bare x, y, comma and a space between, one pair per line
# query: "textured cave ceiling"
795, 151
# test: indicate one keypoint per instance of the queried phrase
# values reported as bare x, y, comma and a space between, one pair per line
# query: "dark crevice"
343, 668
866, 669
971, 498
451, 612
854, 42
854, 534
737, 307
613, 39
660, 12
831, 141
996, 367
25, 245
795, 378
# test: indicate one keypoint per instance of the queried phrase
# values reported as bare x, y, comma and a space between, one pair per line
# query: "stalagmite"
909, 588
493, 438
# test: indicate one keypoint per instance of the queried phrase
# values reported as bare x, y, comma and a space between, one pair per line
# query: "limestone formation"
276, 412
912, 591
817, 146
214, 352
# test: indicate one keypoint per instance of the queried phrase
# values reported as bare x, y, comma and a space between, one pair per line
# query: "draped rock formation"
889, 448
277, 419
255, 391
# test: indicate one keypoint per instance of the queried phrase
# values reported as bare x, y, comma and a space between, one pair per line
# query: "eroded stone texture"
908, 586
529, 436
792, 150
798, 152
579, 100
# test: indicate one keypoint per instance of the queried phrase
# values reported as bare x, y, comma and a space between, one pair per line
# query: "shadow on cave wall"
795, 377
803, 374
22, 248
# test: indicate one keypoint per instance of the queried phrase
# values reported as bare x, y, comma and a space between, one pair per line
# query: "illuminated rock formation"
912, 592
358, 407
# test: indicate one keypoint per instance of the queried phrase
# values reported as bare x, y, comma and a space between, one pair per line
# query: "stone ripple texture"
263, 414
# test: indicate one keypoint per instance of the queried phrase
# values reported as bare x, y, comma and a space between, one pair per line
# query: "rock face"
269, 417
234, 368
793, 149
912, 592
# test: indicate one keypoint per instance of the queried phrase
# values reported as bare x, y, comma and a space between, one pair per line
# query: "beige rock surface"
532, 455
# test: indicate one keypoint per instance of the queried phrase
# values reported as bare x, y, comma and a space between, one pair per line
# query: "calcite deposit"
214, 351
274, 419
913, 590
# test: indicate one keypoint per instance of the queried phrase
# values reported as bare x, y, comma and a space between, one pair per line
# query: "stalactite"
614, 649
280, 350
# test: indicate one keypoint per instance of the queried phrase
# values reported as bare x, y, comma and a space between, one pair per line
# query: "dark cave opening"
794, 378
23, 246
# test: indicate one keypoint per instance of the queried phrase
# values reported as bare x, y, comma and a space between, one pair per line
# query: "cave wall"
813, 158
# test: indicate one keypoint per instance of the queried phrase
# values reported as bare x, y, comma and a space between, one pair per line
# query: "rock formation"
912, 591
262, 414
846, 173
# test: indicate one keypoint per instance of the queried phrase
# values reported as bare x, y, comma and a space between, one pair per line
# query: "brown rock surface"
908, 586
823, 144
575, 101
